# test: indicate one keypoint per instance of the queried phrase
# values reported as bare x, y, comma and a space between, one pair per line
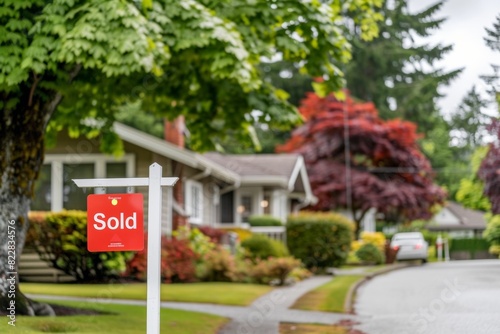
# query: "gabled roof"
468, 219
467, 216
166, 149
284, 170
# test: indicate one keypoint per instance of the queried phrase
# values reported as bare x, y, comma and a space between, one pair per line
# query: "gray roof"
257, 164
468, 219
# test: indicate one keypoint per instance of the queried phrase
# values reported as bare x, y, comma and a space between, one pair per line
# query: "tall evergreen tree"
492, 40
468, 123
396, 72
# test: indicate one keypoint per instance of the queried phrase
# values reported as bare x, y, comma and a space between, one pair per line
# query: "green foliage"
264, 220
368, 253
471, 191
218, 265
61, 239
319, 240
492, 233
471, 245
274, 269
198, 242
260, 246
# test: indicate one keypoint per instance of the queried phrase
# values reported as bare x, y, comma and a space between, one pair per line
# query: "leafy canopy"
383, 167
194, 57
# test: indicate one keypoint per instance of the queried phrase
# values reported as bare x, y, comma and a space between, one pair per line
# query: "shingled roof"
284, 170
257, 164
468, 219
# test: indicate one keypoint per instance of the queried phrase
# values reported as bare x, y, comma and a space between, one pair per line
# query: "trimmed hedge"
320, 240
60, 238
262, 247
370, 254
264, 220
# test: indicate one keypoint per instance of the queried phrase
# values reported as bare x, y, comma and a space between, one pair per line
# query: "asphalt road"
445, 298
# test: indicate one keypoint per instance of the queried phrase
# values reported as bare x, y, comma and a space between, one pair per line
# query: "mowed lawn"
216, 293
329, 297
124, 320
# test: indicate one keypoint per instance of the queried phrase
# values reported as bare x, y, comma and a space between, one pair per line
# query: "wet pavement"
446, 298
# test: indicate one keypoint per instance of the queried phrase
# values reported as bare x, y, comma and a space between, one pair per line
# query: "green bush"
370, 254
218, 265
264, 220
320, 240
260, 246
492, 233
471, 245
61, 239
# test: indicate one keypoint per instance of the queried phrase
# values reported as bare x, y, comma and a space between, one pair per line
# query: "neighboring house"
272, 184
213, 189
458, 222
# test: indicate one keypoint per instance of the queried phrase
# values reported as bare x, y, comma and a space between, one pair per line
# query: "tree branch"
52, 105
36, 80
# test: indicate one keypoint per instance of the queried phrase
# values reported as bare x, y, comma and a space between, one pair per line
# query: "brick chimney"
174, 131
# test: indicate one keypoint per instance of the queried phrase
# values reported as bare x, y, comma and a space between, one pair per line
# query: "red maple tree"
383, 168
489, 171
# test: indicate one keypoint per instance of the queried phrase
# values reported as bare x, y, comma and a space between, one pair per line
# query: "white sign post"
155, 181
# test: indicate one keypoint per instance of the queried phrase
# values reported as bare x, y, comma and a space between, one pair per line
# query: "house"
458, 221
214, 189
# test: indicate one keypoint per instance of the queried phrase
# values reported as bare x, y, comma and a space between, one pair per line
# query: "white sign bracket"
154, 182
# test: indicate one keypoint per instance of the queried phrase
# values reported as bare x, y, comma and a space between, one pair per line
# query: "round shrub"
264, 220
320, 240
370, 254
261, 247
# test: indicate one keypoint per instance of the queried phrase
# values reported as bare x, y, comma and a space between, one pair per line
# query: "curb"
349, 300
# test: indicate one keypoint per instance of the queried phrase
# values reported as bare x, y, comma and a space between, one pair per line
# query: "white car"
410, 246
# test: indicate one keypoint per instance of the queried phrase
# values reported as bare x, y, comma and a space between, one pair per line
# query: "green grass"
329, 297
125, 320
217, 293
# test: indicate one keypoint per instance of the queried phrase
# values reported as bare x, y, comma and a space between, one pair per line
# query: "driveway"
446, 298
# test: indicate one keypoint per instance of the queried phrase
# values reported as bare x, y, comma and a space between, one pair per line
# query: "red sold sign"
115, 222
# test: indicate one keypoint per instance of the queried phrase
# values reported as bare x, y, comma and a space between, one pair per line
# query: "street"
453, 297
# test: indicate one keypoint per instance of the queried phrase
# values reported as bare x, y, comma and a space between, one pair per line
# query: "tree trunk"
21, 156
358, 216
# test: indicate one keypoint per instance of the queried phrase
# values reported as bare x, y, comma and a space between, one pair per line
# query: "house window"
55, 190
41, 202
194, 201
73, 197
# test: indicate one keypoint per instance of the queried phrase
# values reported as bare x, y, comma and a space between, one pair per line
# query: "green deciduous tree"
74, 63
471, 191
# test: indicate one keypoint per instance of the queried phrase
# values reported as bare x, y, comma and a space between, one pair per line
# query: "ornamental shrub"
61, 240
218, 265
177, 262
264, 220
369, 253
216, 235
274, 270
320, 240
260, 246
198, 242
375, 238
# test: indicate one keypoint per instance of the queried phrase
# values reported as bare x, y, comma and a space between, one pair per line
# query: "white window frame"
57, 161
195, 214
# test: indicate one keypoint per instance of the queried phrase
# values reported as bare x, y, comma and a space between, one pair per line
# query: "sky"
465, 29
